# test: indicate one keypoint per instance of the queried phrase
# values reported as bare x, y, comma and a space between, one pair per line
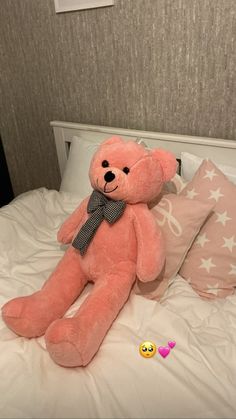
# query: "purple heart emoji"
171, 344
164, 351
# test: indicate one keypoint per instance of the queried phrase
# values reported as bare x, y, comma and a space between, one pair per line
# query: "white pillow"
190, 164
75, 178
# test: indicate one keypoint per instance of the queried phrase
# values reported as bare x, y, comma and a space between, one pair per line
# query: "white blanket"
196, 380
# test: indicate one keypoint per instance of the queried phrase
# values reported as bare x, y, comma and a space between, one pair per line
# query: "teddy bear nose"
109, 176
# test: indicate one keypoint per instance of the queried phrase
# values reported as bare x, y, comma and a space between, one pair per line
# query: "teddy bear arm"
67, 229
150, 245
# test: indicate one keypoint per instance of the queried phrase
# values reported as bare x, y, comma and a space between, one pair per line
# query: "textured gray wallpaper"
161, 65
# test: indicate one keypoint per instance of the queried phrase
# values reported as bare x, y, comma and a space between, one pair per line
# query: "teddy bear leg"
30, 316
73, 342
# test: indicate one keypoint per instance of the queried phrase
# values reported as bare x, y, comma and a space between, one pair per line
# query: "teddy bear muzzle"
109, 177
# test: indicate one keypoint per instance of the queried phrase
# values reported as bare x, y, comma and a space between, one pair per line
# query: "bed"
198, 377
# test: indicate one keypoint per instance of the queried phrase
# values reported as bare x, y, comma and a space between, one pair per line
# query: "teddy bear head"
126, 170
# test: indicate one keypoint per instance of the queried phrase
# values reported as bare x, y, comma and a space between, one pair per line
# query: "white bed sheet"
196, 380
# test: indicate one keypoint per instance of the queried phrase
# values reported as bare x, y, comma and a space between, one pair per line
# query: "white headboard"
222, 151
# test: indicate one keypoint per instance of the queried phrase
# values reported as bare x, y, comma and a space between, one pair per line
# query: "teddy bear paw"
27, 316
62, 341
64, 354
14, 317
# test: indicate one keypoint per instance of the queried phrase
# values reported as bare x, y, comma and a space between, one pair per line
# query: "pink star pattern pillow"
180, 220
210, 265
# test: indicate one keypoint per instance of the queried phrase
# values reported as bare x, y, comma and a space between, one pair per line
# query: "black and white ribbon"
100, 208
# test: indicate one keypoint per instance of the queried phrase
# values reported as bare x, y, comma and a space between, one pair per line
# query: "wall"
162, 65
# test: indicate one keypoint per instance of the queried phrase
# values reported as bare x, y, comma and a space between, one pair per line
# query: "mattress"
196, 380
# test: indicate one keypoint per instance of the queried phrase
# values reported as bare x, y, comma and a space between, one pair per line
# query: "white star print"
210, 174
191, 193
233, 269
214, 289
202, 239
207, 264
222, 218
229, 243
215, 194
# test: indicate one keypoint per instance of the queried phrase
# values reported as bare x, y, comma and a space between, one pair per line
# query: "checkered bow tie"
100, 208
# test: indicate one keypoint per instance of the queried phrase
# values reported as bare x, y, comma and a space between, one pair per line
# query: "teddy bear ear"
112, 140
167, 161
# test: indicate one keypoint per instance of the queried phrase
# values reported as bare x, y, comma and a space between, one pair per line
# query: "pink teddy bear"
114, 238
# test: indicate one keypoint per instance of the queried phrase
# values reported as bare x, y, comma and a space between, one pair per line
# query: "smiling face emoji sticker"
147, 349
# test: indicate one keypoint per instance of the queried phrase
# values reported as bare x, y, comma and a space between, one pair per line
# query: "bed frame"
222, 151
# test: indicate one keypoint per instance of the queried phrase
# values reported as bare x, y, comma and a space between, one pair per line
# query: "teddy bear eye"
105, 163
126, 170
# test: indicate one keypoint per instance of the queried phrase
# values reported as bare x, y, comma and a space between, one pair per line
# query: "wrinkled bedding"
196, 380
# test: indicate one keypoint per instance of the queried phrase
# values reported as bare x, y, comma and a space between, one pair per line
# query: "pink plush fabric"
118, 252
210, 266
180, 220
